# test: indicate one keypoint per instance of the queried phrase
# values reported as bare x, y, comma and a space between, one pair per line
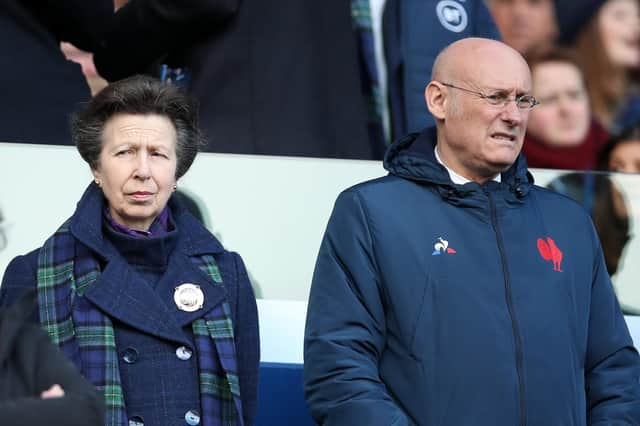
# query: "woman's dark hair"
138, 95
630, 134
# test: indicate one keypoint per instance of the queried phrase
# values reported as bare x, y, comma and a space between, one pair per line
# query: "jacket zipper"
514, 321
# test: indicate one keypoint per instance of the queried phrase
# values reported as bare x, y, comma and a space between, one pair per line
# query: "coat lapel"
181, 270
124, 295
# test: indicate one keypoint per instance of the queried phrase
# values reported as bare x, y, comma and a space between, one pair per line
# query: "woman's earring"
175, 186
97, 181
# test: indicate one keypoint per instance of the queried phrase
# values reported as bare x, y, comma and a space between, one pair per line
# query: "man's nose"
511, 113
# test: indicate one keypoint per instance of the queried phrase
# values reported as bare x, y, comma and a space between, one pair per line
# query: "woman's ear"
435, 97
96, 176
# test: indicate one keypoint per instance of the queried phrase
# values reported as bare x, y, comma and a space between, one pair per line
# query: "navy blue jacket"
158, 386
441, 304
39, 87
415, 31
269, 80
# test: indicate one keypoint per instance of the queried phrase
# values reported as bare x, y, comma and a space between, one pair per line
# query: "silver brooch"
188, 297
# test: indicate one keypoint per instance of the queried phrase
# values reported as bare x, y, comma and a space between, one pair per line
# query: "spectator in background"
326, 97
269, 80
415, 31
529, 26
85, 60
622, 152
561, 133
610, 54
39, 87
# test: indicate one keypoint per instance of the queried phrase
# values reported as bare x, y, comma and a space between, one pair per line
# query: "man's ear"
435, 96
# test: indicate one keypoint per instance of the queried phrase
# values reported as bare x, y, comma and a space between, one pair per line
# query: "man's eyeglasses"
501, 98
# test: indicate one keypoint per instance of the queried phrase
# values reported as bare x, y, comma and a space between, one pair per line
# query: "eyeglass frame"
532, 103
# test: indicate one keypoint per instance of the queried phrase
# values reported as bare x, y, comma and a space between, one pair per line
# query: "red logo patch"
550, 251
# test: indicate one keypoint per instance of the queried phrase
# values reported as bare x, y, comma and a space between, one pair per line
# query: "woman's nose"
143, 169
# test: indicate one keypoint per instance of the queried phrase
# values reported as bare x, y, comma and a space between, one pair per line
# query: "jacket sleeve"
247, 341
81, 404
144, 30
345, 328
612, 365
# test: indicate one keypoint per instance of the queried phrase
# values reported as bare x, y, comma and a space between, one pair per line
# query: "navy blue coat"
158, 386
415, 31
441, 304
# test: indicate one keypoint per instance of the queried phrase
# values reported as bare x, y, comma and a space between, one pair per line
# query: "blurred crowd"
339, 79
584, 58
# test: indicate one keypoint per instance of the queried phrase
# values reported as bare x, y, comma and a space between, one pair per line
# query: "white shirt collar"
455, 177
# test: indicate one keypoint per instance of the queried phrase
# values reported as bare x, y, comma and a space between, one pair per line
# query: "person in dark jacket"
135, 291
38, 384
415, 31
456, 292
269, 80
40, 88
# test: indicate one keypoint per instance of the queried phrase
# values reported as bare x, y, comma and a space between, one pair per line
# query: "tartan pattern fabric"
85, 335
219, 385
361, 17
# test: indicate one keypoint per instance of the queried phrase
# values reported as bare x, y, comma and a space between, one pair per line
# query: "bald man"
454, 291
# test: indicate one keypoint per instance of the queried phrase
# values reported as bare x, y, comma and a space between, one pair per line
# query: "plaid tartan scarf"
66, 269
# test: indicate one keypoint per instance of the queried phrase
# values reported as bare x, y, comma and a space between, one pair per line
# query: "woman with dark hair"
608, 49
135, 291
622, 153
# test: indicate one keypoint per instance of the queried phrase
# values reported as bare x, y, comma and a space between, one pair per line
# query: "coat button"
130, 355
192, 417
136, 421
184, 353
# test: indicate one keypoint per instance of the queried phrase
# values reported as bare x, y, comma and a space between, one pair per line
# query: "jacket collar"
86, 226
413, 158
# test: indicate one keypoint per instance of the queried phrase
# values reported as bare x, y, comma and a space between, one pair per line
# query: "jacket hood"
412, 158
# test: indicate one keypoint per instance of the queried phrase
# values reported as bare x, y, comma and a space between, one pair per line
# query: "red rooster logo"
550, 251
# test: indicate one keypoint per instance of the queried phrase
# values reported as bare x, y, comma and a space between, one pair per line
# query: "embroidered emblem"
452, 15
550, 252
442, 247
